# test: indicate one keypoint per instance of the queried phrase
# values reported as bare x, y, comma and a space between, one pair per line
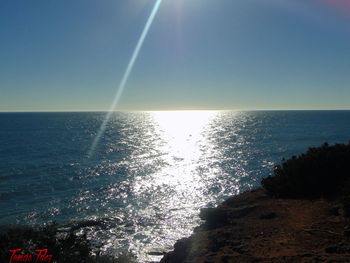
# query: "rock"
86, 223
335, 210
254, 227
332, 249
64, 229
270, 215
182, 244
242, 212
214, 217
347, 231
156, 253
340, 248
181, 249
62, 235
239, 249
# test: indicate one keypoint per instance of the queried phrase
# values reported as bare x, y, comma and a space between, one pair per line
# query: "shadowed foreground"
62, 243
254, 227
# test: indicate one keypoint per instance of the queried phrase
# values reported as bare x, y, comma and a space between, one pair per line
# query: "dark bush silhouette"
72, 249
320, 172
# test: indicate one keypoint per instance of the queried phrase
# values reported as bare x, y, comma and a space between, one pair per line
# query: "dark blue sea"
150, 172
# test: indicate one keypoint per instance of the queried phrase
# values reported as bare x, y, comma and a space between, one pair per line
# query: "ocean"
150, 173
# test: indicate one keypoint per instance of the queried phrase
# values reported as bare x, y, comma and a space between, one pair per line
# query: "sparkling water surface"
151, 172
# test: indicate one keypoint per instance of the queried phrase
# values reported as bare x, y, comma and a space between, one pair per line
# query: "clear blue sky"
199, 54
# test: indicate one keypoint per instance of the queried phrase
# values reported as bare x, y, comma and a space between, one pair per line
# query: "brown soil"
254, 227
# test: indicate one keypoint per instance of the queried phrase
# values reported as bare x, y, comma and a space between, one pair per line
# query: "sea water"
151, 171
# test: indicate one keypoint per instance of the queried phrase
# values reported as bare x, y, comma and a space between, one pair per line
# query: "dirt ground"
253, 227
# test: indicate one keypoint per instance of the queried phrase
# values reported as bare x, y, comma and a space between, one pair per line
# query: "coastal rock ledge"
254, 227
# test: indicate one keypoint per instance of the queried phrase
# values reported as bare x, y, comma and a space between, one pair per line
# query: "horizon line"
164, 110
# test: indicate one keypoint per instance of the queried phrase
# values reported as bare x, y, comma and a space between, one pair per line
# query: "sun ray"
125, 78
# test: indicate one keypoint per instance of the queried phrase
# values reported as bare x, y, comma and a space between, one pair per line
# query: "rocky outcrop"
253, 227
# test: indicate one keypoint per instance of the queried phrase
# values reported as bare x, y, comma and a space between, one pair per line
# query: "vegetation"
320, 172
71, 248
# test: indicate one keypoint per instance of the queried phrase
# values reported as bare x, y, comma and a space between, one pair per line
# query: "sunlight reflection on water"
150, 174
167, 196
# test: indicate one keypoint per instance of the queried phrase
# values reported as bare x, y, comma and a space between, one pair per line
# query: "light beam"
126, 75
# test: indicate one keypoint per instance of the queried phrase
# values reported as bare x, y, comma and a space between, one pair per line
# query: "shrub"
72, 249
320, 172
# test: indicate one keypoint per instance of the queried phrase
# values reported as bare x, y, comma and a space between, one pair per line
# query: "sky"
70, 55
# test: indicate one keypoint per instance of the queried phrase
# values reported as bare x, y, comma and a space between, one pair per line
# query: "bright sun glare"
183, 132
180, 125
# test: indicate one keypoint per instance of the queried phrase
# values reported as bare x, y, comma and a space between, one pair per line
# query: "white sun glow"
183, 133
182, 128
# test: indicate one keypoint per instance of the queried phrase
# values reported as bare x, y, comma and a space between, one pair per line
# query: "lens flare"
126, 75
342, 5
